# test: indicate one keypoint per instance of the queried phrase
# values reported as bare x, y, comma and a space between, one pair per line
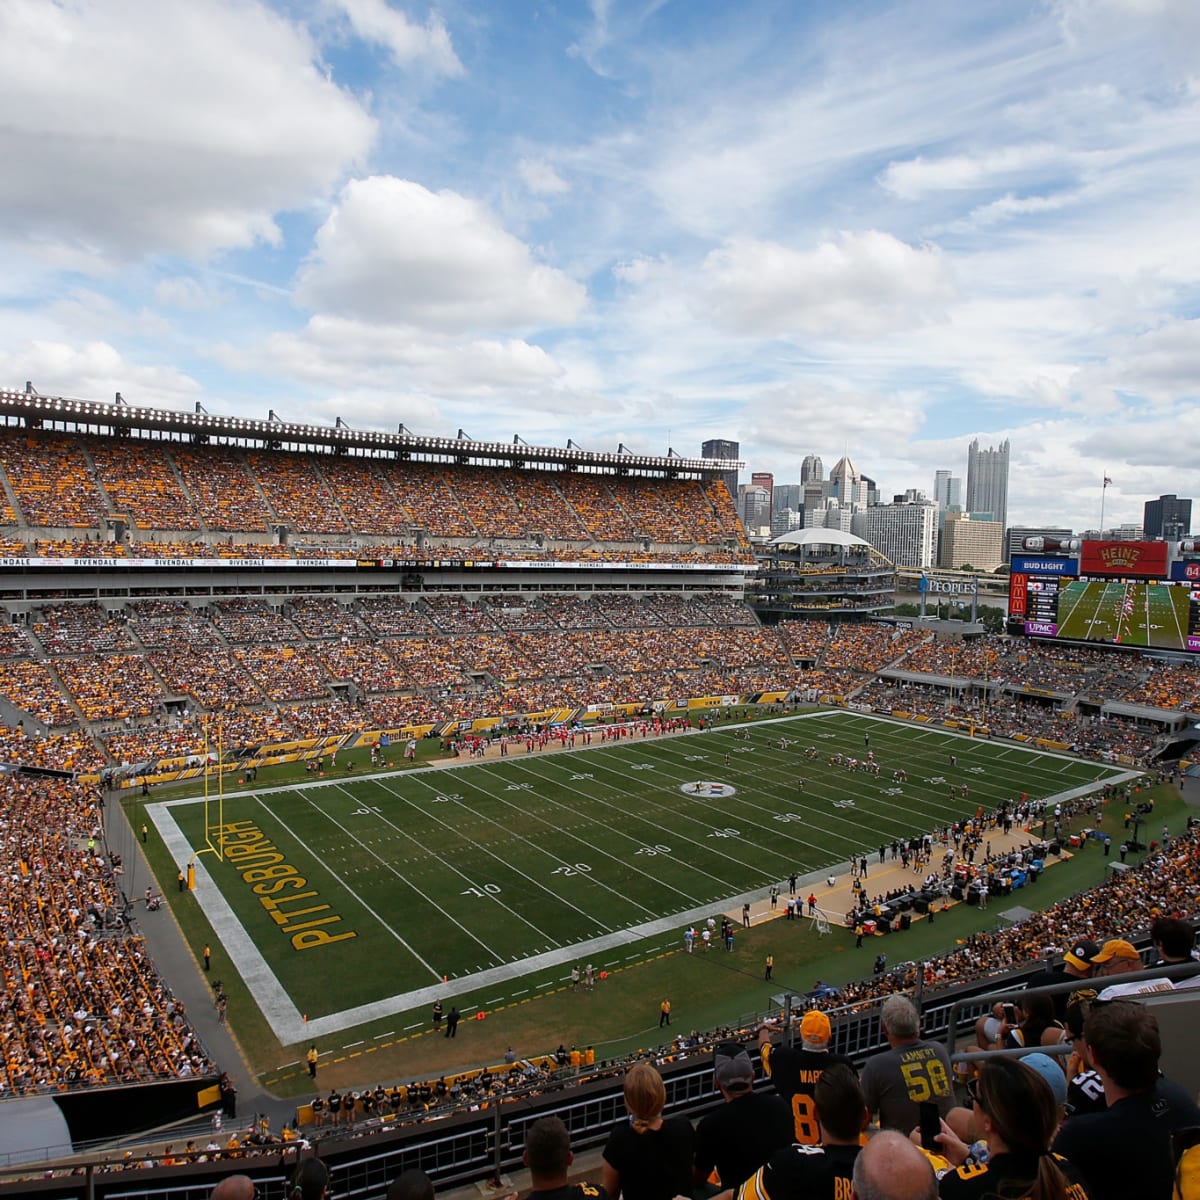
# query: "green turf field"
1134, 614
349, 900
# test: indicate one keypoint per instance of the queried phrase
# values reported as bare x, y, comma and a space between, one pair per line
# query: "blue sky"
870, 228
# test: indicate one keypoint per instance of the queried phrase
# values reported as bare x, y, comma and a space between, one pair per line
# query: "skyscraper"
947, 490
846, 484
906, 531
1168, 518
811, 469
722, 449
987, 481
766, 481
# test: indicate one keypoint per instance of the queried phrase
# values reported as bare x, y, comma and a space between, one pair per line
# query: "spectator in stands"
910, 1071
1117, 957
890, 1167
1174, 940
746, 1130
648, 1157
805, 1172
548, 1156
1126, 1149
1036, 1025
234, 1187
1017, 1108
1077, 964
412, 1184
310, 1181
795, 1072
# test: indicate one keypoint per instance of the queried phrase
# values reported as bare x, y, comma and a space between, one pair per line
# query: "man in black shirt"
746, 1130
548, 1156
1125, 1150
819, 1172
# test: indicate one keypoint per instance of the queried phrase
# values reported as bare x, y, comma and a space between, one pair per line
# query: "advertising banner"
1038, 564
1145, 560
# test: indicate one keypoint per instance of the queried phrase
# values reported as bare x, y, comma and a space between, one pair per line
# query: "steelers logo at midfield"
707, 788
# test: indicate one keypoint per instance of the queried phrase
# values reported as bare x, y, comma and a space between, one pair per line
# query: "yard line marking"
351, 1045
389, 866
462, 874
408, 1027
509, 866
591, 847
380, 1036
522, 992
366, 907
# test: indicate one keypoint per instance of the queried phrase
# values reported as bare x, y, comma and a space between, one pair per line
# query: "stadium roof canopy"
124, 420
819, 537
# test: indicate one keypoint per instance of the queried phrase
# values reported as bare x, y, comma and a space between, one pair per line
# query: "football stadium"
450, 779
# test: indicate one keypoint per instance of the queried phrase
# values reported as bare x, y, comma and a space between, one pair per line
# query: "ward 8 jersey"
794, 1074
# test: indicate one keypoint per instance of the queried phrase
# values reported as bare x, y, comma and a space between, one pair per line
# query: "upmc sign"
1147, 560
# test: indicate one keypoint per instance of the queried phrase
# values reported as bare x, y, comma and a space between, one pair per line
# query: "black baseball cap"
1081, 954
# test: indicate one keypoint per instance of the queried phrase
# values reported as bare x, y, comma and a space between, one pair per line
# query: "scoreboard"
1042, 608
1130, 612
1033, 599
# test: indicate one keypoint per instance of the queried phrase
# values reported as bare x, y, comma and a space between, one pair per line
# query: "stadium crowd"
82, 1003
137, 679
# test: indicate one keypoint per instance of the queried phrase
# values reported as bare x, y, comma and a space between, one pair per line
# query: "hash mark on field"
496, 999
408, 1027
389, 1033
521, 992
548, 983
348, 1045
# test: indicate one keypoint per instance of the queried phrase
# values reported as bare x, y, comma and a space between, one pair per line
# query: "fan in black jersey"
548, 1156
795, 1072
1085, 1089
1017, 1109
820, 1172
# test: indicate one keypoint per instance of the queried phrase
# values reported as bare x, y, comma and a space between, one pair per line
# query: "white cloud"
330, 347
407, 43
541, 178
163, 125
96, 371
185, 293
856, 286
392, 251
911, 179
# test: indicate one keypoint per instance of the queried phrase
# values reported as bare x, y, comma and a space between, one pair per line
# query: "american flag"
1107, 481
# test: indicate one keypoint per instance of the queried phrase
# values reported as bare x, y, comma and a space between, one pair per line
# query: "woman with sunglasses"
1017, 1115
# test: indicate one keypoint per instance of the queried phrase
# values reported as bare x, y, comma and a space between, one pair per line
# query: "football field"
351, 899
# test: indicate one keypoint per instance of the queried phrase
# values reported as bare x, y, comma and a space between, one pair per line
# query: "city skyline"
646, 223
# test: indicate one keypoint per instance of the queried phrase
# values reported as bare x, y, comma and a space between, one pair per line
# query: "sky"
868, 227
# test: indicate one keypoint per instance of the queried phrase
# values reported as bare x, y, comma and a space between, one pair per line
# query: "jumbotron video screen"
1121, 612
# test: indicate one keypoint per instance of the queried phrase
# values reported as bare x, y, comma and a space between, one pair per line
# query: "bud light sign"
1029, 564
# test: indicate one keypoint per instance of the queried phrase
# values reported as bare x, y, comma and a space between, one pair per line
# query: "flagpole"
1103, 493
